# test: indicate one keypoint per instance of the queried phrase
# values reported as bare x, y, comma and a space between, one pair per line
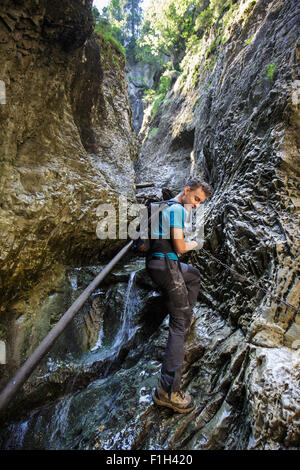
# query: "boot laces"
181, 394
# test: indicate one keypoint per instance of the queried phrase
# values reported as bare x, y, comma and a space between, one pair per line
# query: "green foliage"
156, 97
250, 8
163, 87
133, 13
218, 6
152, 132
149, 96
170, 26
124, 17
157, 102
114, 13
144, 54
249, 40
214, 44
140, 81
166, 27
270, 71
229, 13
108, 33
166, 101
164, 84
96, 14
204, 20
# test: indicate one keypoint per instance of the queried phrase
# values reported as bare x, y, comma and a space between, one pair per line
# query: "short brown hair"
195, 183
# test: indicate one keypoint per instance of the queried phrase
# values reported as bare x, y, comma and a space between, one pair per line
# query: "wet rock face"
169, 149
240, 118
98, 395
140, 76
272, 379
237, 110
246, 144
67, 146
67, 141
68, 23
122, 369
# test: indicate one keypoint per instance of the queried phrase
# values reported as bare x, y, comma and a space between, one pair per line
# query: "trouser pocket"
177, 291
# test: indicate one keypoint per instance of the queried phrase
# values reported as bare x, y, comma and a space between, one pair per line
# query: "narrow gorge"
75, 134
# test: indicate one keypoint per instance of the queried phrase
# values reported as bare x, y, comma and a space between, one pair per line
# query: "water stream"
107, 404
102, 350
127, 329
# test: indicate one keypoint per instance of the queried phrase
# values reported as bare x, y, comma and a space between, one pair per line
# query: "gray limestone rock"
67, 146
233, 118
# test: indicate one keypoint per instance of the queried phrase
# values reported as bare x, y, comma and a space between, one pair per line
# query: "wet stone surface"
106, 402
239, 129
117, 412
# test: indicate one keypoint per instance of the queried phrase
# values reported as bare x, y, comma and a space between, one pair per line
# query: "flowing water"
102, 350
127, 329
107, 403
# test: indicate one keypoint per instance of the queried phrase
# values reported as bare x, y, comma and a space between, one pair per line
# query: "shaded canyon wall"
233, 118
67, 145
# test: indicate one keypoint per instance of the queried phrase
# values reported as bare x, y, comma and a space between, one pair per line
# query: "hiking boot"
180, 401
193, 319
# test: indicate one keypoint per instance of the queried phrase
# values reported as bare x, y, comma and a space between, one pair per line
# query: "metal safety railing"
35, 358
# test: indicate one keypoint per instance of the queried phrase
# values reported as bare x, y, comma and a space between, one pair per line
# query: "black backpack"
141, 246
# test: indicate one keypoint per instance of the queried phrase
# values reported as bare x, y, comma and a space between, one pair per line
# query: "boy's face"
192, 198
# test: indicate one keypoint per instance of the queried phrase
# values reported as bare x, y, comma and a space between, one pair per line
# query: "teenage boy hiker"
180, 282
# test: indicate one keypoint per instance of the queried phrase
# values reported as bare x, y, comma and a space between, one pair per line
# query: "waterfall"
126, 330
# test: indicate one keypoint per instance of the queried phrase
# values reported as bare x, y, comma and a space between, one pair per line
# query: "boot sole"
173, 407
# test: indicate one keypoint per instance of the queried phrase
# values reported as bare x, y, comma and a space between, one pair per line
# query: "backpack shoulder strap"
168, 202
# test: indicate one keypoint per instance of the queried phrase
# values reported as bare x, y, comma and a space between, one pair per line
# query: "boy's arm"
180, 245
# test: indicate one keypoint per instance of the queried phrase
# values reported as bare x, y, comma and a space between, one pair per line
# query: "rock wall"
77, 402
67, 145
140, 76
233, 117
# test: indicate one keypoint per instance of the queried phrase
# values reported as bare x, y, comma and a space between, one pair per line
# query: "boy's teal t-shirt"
172, 216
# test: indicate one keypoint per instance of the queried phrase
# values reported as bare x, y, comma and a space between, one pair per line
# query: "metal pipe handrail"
144, 185
34, 359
